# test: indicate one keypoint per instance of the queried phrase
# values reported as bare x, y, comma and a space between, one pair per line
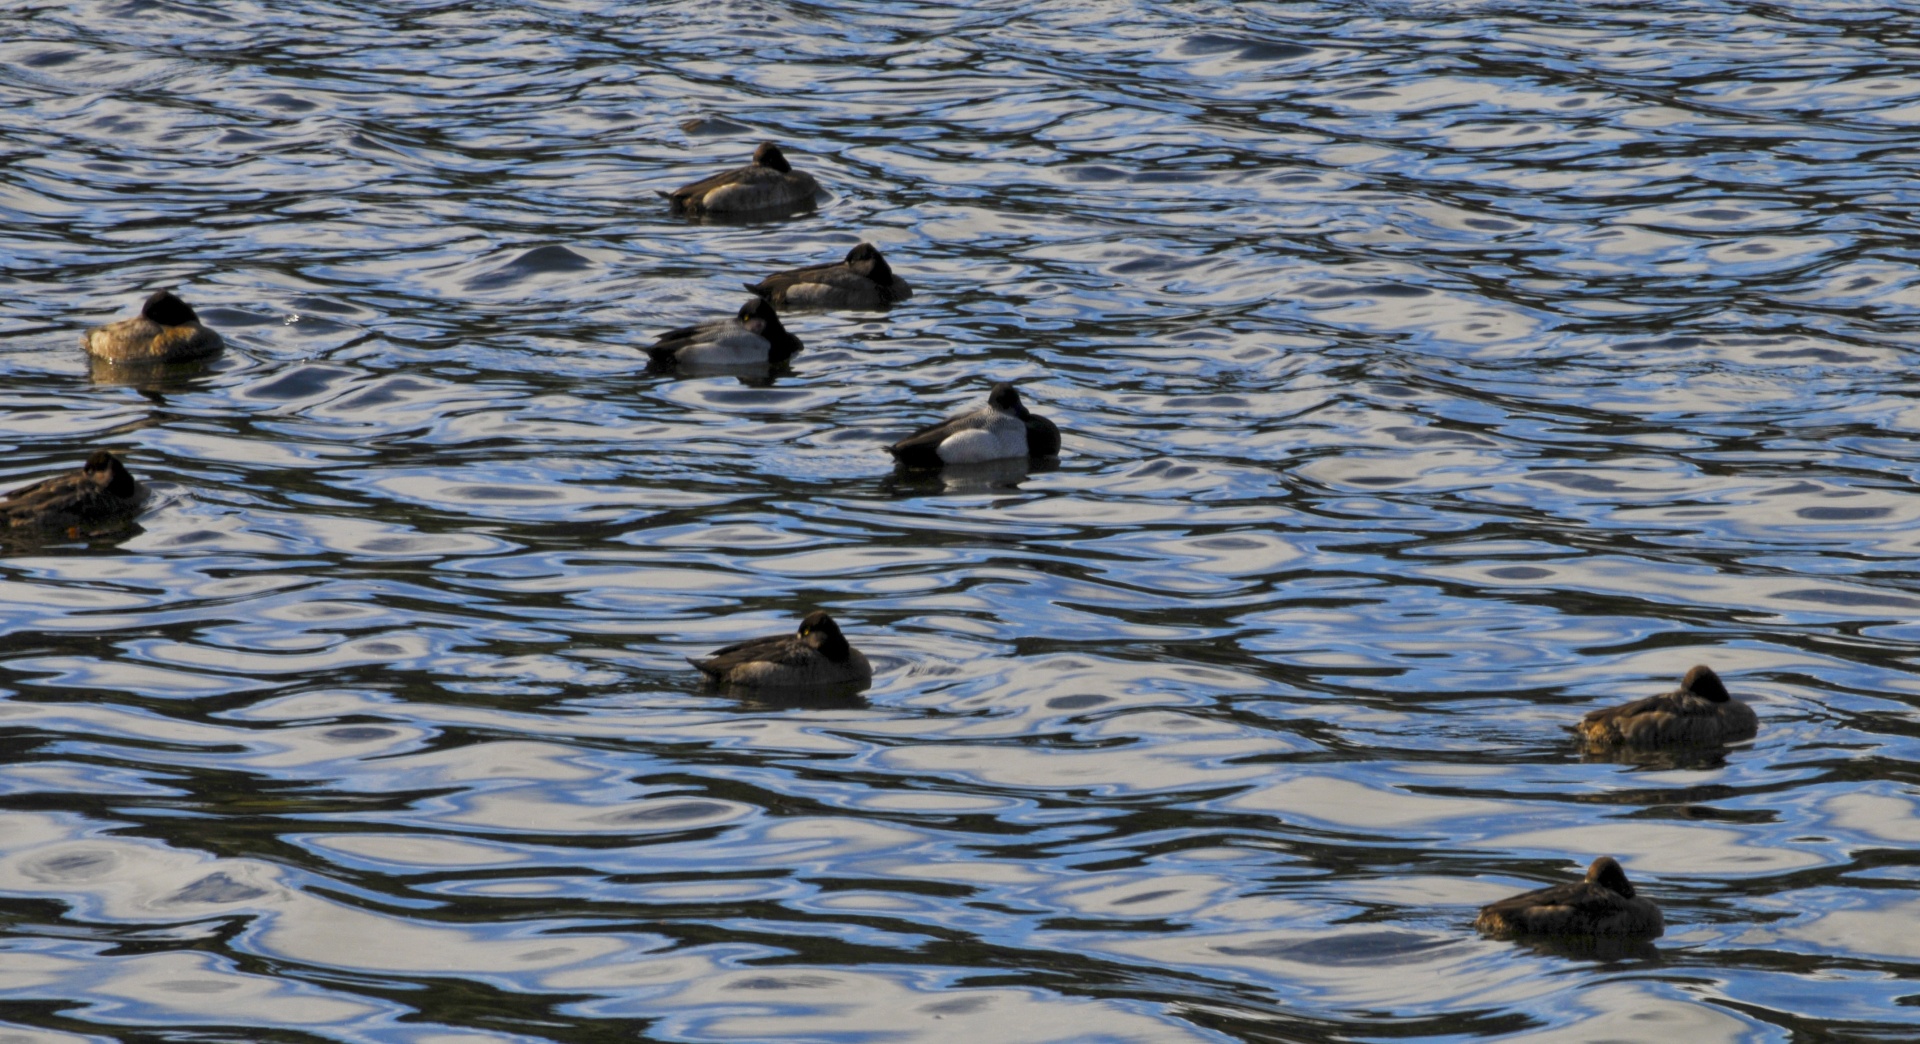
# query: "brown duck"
1602, 905
769, 182
166, 330
815, 657
863, 280
103, 491
1697, 713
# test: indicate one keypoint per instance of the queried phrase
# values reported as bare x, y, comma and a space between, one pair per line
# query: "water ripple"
1429, 375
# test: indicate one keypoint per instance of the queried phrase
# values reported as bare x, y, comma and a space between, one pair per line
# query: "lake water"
1430, 374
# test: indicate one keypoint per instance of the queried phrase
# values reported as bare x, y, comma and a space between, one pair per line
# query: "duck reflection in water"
983, 477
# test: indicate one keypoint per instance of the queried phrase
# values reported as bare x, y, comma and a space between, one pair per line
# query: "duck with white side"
754, 336
1003, 429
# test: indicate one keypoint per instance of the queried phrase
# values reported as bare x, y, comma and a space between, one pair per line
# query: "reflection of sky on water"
1429, 377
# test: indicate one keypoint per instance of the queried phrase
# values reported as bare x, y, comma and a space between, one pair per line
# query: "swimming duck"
1603, 904
863, 280
768, 182
166, 330
1698, 712
1001, 429
102, 491
816, 656
753, 337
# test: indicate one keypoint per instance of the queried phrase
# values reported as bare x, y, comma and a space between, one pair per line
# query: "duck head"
167, 310
819, 631
759, 317
1005, 398
1702, 682
1606, 873
865, 259
768, 155
753, 316
105, 470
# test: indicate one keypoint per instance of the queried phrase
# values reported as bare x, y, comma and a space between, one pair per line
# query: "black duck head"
105, 470
167, 310
758, 315
1702, 682
867, 261
1606, 873
768, 155
819, 631
1005, 398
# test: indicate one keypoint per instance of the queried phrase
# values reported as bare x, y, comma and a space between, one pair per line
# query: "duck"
1699, 712
754, 336
768, 182
1000, 430
864, 280
103, 491
166, 330
817, 656
1604, 904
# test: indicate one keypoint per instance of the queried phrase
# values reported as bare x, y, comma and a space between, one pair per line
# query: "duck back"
141, 340
1581, 908
783, 662
1678, 718
98, 494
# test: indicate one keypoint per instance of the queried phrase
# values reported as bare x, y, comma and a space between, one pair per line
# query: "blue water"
1430, 374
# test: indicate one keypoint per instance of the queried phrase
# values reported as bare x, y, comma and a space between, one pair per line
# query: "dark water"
1431, 374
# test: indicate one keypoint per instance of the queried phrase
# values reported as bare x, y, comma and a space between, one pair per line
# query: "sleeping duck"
1000, 430
816, 656
103, 491
767, 183
863, 280
1602, 905
1698, 712
166, 330
753, 337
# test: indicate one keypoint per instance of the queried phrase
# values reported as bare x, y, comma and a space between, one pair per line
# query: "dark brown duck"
102, 492
1699, 712
862, 280
768, 183
1602, 905
817, 656
166, 330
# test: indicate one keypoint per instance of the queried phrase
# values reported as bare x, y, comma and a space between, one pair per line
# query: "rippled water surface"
1431, 374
